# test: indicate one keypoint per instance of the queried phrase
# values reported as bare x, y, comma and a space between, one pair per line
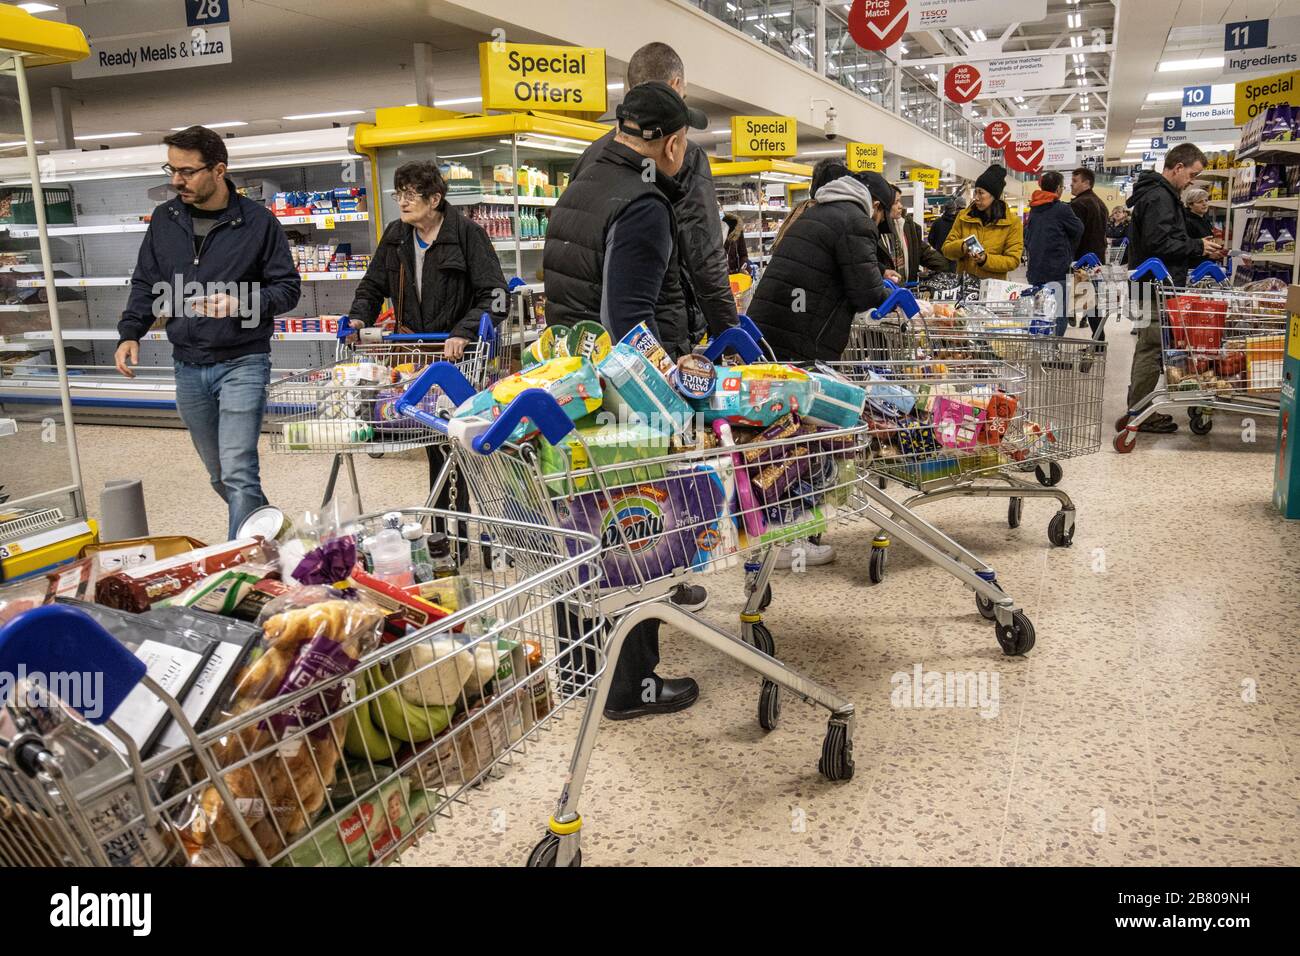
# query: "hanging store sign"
178, 49
1264, 60
944, 14
1041, 127
963, 83
997, 134
865, 157
1060, 153
1258, 34
764, 136
928, 177
1255, 96
877, 24
525, 76
1216, 112
1017, 74
1026, 156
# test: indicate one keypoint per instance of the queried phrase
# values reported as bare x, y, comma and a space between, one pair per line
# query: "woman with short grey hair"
1196, 206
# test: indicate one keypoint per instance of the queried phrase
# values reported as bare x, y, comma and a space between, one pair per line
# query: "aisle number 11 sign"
865, 157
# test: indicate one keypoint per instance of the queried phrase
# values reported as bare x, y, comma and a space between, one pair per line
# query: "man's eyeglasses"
405, 195
184, 172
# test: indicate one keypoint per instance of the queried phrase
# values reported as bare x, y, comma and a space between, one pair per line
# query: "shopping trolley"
342, 411
299, 779
1061, 399
1222, 350
1116, 249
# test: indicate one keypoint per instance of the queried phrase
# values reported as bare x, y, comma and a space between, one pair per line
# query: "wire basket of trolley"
670, 489
349, 407
1116, 250
1060, 401
1221, 350
337, 730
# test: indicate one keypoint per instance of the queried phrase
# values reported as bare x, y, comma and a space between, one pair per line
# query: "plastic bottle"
413, 532
391, 556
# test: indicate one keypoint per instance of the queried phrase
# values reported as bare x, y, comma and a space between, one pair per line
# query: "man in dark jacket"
701, 300
1051, 234
1157, 230
910, 251
1090, 209
217, 266
942, 226
825, 270
611, 256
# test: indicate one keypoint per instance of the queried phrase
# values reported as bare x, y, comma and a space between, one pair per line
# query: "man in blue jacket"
216, 268
1051, 234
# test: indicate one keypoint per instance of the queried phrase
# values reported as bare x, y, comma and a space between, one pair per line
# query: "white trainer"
810, 555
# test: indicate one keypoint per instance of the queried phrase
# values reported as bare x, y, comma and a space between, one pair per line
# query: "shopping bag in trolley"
1196, 322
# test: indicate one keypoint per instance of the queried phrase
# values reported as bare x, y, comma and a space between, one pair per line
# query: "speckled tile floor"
1155, 722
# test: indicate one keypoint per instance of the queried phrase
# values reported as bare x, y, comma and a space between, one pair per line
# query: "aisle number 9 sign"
205, 13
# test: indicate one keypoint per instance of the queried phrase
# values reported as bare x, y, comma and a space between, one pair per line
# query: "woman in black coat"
441, 274
1196, 205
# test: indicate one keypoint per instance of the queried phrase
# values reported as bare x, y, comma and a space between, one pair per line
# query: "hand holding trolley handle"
453, 351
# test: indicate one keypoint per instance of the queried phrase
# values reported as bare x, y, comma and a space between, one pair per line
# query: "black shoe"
1159, 425
674, 695
690, 597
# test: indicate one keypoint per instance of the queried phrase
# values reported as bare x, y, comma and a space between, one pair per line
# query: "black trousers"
437, 455
634, 676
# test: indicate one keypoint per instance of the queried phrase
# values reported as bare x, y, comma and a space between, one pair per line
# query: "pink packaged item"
957, 424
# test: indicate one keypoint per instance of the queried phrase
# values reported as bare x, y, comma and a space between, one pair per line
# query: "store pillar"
61, 102
423, 59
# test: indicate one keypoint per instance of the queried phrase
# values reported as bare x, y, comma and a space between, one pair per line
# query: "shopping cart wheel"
1014, 507
1198, 421
763, 639
882, 483
837, 752
1121, 423
1058, 533
769, 705
545, 853
985, 606
375, 454
1051, 477
1125, 441
767, 598
1018, 637
876, 567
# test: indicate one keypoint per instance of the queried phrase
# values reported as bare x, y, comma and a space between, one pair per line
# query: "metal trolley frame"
1221, 351
414, 767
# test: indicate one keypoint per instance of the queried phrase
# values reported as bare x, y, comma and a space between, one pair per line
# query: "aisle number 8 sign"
877, 24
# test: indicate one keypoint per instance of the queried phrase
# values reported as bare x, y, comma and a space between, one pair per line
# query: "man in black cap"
611, 256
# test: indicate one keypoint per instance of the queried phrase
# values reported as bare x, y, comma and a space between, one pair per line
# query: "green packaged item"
601, 446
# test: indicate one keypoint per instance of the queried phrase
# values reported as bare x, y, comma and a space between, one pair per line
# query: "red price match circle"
963, 83
877, 24
997, 134
1026, 155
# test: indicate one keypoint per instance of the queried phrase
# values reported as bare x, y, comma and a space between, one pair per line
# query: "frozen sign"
150, 52
937, 14
1021, 74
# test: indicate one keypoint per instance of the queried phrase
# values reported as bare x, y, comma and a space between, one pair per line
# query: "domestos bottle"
84, 761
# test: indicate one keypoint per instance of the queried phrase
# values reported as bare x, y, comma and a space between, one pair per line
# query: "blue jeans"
222, 405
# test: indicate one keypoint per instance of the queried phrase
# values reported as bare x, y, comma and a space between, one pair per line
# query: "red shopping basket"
1196, 322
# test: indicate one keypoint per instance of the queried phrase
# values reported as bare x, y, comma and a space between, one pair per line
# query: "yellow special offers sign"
527, 76
1255, 96
770, 136
919, 174
865, 157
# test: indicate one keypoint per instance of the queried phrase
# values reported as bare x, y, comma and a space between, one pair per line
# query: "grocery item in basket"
763, 450
388, 420
572, 382
716, 542
956, 423
835, 401
694, 376
326, 434
888, 399
773, 481
136, 589
284, 786
589, 340
647, 530
352, 374
638, 391
543, 347
220, 593
757, 395
1000, 410
642, 340
602, 446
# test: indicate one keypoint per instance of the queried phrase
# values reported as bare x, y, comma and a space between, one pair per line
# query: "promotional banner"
766, 136
943, 14
523, 76
997, 134
877, 24
1060, 154
142, 36
1054, 126
1026, 156
1019, 74
962, 83
920, 174
1253, 97
865, 157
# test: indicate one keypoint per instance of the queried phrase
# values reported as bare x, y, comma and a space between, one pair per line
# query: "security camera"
832, 124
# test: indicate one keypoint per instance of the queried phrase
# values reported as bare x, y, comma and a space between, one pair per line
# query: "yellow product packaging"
572, 382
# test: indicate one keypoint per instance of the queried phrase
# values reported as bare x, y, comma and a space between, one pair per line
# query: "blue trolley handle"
486, 333
898, 299
535, 404
1151, 269
1210, 269
1088, 260
889, 285
738, 339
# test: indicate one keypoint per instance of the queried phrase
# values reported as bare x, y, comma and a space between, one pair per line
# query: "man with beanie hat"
986, 241
611, 257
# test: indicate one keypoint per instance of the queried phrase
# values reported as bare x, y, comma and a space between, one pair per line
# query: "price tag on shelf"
327, 222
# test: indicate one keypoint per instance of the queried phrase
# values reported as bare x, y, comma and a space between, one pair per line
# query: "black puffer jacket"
823, 271
1051, 235
462, 279
1157, 228
1198, 228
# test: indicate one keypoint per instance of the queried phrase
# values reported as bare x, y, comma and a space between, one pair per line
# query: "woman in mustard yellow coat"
999, 233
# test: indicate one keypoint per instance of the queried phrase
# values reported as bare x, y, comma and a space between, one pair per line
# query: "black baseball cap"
656, 108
